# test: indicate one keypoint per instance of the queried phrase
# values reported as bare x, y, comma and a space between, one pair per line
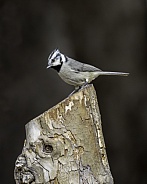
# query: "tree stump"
65, 144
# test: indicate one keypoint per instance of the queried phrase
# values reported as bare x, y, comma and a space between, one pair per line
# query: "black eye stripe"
58, 55
61, 60
50, 57
56, 52
66, 59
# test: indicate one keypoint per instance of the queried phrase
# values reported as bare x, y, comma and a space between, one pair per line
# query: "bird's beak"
49, 66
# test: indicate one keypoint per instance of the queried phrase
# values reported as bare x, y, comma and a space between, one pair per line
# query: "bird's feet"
79, 88
74, 91
84, 85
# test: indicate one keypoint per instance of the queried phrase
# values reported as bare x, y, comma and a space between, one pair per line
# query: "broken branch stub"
65, 145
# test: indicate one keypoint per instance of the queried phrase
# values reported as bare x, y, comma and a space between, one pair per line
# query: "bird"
74, 72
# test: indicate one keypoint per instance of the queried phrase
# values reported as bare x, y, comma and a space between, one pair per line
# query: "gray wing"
81, 67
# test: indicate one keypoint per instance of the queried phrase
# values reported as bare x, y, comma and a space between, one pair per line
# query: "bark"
65, 144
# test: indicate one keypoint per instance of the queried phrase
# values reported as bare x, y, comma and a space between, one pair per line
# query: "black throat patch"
57, 68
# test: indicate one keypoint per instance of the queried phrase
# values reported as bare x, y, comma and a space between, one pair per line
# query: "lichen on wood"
65, 144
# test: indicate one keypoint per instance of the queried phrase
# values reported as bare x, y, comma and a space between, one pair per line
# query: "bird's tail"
114, 73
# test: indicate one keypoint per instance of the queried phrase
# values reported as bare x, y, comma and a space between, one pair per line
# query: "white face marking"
56, 58
63, 58
54, 54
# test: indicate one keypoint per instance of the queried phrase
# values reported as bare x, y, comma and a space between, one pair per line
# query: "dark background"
108, 34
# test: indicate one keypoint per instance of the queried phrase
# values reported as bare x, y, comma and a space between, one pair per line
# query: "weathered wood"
65, 145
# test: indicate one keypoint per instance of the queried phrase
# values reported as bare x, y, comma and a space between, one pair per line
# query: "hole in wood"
48, 148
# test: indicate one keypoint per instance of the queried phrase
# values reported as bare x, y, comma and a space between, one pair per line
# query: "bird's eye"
53, 60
